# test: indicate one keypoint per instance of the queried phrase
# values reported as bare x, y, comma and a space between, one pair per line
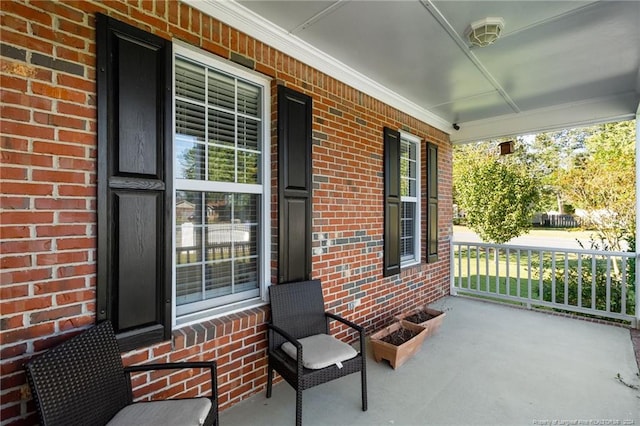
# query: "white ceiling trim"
598, 110
315, 18
551, 19
245, 20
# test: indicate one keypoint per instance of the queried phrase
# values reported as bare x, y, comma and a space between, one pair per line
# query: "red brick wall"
48, 218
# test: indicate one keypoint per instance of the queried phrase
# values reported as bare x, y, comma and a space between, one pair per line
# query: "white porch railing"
597, 283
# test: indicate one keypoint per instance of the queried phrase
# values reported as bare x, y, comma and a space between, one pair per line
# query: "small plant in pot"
397, 342
424, 316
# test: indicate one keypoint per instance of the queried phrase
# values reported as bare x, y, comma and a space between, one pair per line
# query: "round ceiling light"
485, 31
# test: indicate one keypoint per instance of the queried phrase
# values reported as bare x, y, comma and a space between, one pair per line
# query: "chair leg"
298, 407
363, 378
269, 380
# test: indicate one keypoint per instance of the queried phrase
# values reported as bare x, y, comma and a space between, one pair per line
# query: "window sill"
410, 264
215, 313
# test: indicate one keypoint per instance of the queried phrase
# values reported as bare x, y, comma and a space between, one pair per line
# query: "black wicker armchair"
299, 346
83, 382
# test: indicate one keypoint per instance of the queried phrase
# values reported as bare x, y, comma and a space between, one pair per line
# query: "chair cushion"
320, 351
170, 412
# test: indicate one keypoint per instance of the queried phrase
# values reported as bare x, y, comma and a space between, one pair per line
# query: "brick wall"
48, 218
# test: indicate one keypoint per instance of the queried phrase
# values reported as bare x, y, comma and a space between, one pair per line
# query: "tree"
602, 182
546, 154
541, 156
498, 197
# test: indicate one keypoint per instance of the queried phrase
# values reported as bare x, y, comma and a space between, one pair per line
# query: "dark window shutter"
432, 202
392, 203
294, 185
134, 183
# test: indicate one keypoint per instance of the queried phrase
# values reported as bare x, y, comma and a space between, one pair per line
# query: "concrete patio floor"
488, 364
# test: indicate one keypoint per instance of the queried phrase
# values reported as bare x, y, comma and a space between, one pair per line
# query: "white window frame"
417, 253
264, 249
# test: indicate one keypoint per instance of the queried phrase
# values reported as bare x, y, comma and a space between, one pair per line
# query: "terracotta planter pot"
432, 324
397, 354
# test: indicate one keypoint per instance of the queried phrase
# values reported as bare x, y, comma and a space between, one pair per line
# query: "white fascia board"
252, 24
580, 114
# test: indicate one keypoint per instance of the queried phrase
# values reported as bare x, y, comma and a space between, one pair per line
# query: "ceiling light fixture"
485, 31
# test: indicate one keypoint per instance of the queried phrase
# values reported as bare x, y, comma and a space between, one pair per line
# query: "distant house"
184, 211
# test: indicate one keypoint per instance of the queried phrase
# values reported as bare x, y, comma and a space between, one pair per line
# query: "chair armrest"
286, 335
211, 365
353, 325
293, 341
345, 321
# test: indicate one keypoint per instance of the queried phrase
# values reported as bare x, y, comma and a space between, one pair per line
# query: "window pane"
404, 158
412, 155
189, 159
249, 99
219, 205
246, 274
404, 187
188, 284
407, 229
246, 208
408, 169
218, 279
248, 133
188, 243
411, 188
248, 167
189, 80
190, 121
222, 165
188, 236
247, 243
222, 128
221, 91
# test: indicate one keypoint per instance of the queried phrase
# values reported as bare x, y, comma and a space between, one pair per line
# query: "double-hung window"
221, 180
410, 199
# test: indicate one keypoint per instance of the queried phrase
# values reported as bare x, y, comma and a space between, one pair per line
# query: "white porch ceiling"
558, 64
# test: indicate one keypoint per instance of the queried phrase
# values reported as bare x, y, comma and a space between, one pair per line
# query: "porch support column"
637, 277
452, 266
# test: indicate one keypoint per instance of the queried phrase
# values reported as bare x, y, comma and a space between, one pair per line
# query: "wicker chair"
83, 382
297, 312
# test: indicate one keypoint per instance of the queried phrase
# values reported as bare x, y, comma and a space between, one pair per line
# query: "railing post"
636, 281
452, 268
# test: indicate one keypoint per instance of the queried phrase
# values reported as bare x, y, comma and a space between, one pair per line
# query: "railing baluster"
540, 283
518, 273
469, 266
529, 279
459, 266
579, 280
486, 269
477, 268
553, 276
566, 278
593, 281
608, 290
623, 287
497, 274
